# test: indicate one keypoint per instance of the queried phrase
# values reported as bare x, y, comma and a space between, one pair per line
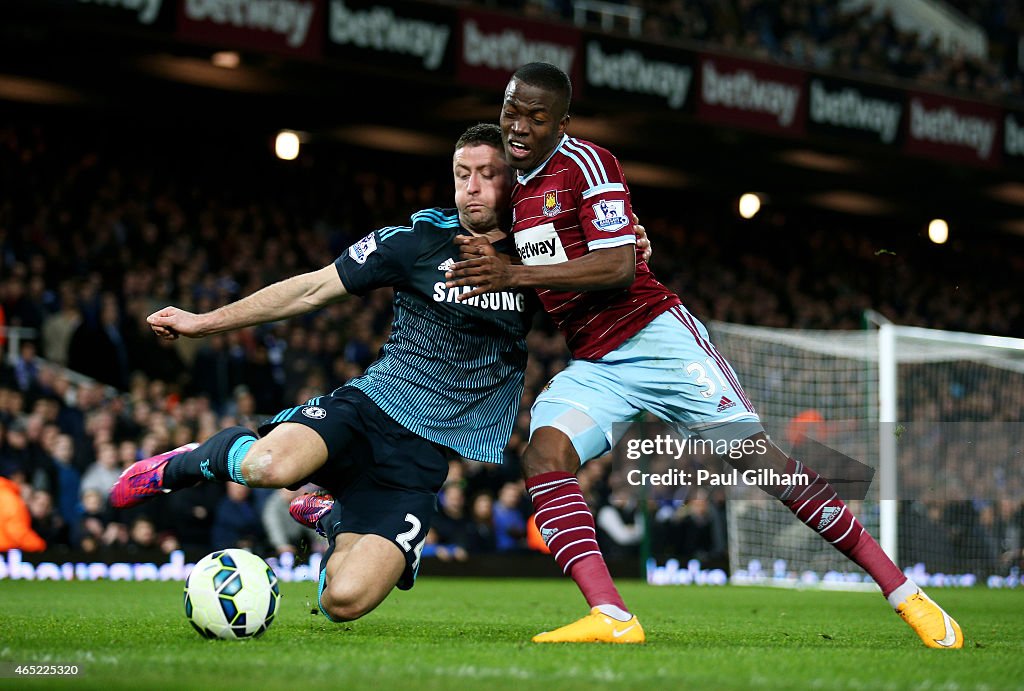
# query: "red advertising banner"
491, 47
953, 130
751, 95
292, 27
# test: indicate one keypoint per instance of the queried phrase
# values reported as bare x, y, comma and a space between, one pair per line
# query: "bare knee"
549, 450
265, 468
343, 603
285, 457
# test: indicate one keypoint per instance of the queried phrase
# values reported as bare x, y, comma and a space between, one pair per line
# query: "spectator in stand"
16, 458
26, 367
236, 522
97, 346
167, 542
16, 531
481, 534
509, 519
127, 453
1008, 534
283, 532
700, 529
93, 531
59, 327
142, 536
192, 516
17, 302
217, 370
863, 40
620, 524
101, 475
66, 495
46, 522
451, 527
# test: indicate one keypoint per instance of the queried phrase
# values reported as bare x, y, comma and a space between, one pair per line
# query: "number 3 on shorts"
707, 385
405, 539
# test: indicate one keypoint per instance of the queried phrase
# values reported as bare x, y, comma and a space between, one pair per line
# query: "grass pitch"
459, 633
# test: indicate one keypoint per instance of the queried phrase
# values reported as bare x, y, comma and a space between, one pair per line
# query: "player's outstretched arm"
471, 247
281, 300
602, 269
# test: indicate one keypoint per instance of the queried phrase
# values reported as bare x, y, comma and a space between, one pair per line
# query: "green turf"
455, 633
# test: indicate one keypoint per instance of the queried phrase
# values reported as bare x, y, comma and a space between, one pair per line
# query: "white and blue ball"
231, 594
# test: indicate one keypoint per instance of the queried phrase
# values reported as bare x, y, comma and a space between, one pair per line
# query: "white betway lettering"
745, 91
510, 49
1014, 137
946, 126
380, 29
630, 71
147, 10
502, 300
850, 108
290, 18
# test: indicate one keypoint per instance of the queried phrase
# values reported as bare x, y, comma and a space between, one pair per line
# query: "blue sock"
323, 582
219, 458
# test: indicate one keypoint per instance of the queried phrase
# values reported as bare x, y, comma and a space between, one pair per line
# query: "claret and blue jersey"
451, 372
573, 203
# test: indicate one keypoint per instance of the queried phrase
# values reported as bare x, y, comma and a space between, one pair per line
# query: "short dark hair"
481, 133
547, 77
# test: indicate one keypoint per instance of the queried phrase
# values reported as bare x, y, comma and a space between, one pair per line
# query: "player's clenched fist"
474, 246
171, 322
480, 266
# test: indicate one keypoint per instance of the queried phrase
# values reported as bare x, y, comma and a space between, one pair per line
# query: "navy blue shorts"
384, 478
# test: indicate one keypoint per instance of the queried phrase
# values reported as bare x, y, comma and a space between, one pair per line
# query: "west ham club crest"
552, 206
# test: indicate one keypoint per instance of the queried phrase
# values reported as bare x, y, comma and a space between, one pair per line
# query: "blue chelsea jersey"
451, 372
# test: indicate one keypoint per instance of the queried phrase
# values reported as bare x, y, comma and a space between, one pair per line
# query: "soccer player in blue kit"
635, 349
448, 381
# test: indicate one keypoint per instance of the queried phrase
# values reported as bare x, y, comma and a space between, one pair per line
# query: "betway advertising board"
952, 129
490, 47
481, 49
853, 110
403, 36
637, 75
291, 27
751, 95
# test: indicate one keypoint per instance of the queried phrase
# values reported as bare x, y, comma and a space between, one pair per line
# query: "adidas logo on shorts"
725, 404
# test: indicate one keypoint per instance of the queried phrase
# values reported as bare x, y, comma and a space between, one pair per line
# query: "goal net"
937, 414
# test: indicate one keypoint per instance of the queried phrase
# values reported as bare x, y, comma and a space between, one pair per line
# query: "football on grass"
231, 594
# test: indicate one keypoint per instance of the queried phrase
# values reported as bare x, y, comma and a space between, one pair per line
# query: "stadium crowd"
96, 235
829, 36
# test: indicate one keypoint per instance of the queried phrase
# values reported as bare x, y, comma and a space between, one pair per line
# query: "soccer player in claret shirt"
635, 349
449, 379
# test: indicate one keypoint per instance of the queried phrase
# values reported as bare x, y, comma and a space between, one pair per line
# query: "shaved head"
546, 76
